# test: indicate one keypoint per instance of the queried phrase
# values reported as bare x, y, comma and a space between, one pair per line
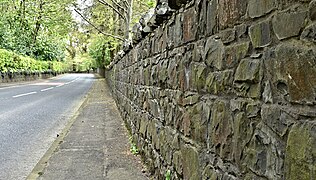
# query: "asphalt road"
31, 116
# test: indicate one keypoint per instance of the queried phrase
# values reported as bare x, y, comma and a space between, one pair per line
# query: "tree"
112, 20
35, 28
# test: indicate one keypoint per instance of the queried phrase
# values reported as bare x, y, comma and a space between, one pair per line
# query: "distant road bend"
31, 115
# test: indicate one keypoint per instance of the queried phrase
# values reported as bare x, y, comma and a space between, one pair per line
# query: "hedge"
12, 62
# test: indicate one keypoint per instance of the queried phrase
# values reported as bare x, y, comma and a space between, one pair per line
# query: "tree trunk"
128, 20
38, 22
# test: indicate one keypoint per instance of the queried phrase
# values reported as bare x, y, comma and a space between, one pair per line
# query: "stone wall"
224, 89
25, 76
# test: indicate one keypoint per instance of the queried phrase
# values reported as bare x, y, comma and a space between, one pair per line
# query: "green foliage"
100, 49
84, 63
58, 66
12, 62
48, 49
35, 28
151, 3
133, 147
168, 175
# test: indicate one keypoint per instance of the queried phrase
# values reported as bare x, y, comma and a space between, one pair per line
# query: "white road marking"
60, 85
47, 89
26, 94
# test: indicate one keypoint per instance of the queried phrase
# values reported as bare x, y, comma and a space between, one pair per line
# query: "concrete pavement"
94, 145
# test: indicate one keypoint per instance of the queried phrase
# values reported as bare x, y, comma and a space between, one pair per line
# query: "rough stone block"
309, 33
209, 173
264, 154
200, 77
241, 30
312, 10
190, 162
294, 73
258, 8
143, 126
246, 89
227, 35
253, 109
212, 23
194, 124
176, 4
288, 24
260, 34
222, 129
249, 70
230, 12
213, 53
300, 157
171, 36
219, 82
243, 129
234, 53
189, 25
172, 74
177, 161
198, 51
201, 9
267, 93
276, 119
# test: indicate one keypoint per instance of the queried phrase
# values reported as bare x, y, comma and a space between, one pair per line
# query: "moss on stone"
300, 155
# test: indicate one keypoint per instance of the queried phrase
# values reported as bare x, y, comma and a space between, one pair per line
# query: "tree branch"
95, 27
109, 5
118, 5
126, 3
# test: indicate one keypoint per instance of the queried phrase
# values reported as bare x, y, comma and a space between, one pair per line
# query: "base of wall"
25, 76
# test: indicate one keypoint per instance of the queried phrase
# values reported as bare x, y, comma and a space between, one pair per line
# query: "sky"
82, 4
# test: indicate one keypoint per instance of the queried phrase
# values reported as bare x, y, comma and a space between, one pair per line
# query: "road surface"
31, 116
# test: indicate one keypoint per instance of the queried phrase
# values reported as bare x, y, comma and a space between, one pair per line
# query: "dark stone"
267, 93
230, 12
260, 34
137, 33
219, 82
264, 153
293, 67
202, 13
182, 27
243, 130
234, 53
300, 152
176, 4
228, 35
189, 25
309, 33
212, 23
190, 162
258, 8
277, 120
241, 30
198, 51
222, 129
312, 10
248, 70
288, 24
213, 53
